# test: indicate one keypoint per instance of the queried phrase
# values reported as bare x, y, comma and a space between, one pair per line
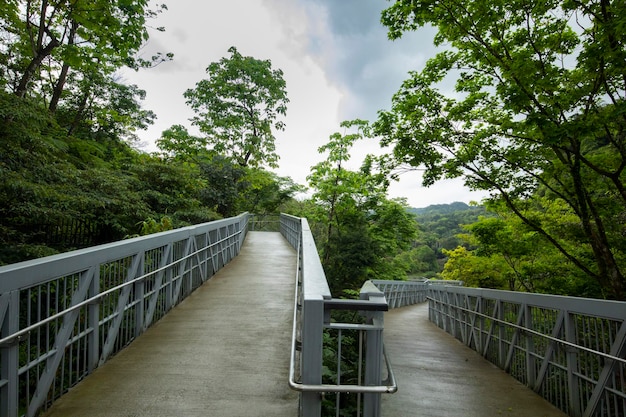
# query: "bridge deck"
438, 376
224, 351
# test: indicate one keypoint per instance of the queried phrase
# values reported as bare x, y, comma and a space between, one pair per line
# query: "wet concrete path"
222, 352
438, 376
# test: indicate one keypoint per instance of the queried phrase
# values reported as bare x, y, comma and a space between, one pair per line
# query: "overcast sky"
337, 62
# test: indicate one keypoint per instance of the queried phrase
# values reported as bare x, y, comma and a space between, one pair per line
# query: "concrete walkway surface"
222, 352
438, 376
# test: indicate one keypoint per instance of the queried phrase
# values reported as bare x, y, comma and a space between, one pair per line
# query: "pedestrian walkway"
223, 352
438, 376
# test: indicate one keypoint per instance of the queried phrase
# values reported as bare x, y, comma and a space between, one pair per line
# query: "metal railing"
402, 293
571, 351
264, 223
315, 335
64, 315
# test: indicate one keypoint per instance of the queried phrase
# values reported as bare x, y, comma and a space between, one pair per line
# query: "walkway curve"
223, 352
438, 376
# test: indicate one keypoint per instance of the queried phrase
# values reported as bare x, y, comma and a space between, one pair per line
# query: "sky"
337, 62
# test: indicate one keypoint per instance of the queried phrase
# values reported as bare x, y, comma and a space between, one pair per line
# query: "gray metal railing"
402, 293
264, 223
312, 323
63, 315
571, 351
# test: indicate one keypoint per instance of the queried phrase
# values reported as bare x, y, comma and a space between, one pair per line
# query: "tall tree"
363, 229
539, 110
238, 106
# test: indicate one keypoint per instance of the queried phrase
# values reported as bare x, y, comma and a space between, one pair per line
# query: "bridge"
220, 319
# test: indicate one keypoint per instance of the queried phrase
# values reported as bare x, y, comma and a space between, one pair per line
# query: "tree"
238, 106
264, 192
474, 271
539, 111
507, 254
363, 231
222, 185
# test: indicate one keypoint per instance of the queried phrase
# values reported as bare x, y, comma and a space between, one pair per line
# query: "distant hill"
445, 209
441, 223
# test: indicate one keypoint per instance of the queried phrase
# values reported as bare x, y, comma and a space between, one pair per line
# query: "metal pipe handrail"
391, 385
389, 388
359, 305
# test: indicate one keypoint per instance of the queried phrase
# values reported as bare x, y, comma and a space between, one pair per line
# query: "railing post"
575, 405
139, 293
311, 356
93, 340
531, 370
9, 355
373, 356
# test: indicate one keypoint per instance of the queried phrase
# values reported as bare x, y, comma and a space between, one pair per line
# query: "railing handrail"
580, 342
25, 331
37, 271
311, 289
314, 286
609, 309
539, 334
360, 305
80, 301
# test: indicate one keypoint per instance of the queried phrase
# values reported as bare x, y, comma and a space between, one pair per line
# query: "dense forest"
71, 174
538, 120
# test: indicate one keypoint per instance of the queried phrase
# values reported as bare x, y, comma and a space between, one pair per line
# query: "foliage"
510, 255
359, 231
48, 41
151, 225
223, 184
176, 143
537, 117
265, 192
230, 189
439, 228
237, 107
62, 192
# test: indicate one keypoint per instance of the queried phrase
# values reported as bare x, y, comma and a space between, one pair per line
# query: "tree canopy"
238, 106
46, 43
537, 115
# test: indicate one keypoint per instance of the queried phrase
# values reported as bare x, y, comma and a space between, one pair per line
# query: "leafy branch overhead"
539, 111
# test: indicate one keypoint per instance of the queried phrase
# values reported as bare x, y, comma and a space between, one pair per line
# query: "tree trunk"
33, 65
60, 85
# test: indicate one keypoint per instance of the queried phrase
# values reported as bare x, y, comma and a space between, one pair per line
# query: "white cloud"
336, 60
